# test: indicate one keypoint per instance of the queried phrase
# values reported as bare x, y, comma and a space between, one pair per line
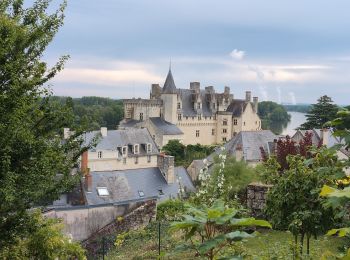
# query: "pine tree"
320, 113
35, 165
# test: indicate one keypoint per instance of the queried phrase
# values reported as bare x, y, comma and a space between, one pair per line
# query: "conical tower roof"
169, 85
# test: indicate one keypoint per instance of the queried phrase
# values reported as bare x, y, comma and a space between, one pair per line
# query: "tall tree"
320, 113
35, 165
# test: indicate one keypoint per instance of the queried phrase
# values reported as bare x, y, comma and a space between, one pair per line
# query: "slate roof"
250, 142
187, 103
126, 185
128, 123
237, 107
169, 85
316, 136
165, 127
119, 138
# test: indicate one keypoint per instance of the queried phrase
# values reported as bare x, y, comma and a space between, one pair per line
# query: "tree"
293, 202
46, 242
320, 113
175, 148
273, 116
35, 165
208, 230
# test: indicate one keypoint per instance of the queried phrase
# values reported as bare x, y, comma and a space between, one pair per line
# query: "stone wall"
105, 237
256, 198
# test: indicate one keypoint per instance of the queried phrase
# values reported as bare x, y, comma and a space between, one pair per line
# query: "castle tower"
169, 97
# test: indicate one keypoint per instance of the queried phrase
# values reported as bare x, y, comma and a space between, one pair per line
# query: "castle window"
186, 117
124, 160
197, 133
141, 116
224, 130
199, 117
124, 150
243, 123
179, 117
214, 105
193, 118
149, 158
256, 122
136, 149
224, 139
136, 160
178, 105
212, 131
198, 105
224, 122
149, 148
235, 121
99, 155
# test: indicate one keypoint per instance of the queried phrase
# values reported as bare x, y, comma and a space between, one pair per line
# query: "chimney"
155, 91
227, 90
196, 86
324, 136
104, 131
166, 165
239, 153
66, 133
84, 162
88, 181
248, 96
255, 101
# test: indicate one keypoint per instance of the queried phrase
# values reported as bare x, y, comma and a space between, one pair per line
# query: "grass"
143, 244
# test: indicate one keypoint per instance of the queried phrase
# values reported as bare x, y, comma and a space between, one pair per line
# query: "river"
296, 120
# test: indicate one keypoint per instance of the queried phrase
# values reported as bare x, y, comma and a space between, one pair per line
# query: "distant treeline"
94, 112
298, 108
273, 116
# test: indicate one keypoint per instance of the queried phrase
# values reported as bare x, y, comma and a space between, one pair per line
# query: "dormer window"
214, 105
149, 148
179, 117
224, 122
178, 105
124, 150
99, 154
198, 105
136, 149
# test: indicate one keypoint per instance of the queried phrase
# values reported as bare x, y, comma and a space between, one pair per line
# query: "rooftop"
135, 184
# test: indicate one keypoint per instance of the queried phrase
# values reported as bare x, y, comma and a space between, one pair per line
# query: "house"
191, 115
124, 171
246, 145
325, 137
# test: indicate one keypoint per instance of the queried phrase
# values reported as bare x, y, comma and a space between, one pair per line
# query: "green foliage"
273, 116
184, 155
227, 179
208, 230
293, 202
298, 108
35, 166
170, 210
94, 112
237, 175
46, 242
320, 113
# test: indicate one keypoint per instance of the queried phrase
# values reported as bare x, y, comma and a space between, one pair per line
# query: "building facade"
191, 115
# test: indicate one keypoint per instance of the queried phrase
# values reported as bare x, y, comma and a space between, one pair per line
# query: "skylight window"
102, 191
141, 193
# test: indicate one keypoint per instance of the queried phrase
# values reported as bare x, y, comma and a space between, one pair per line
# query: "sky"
284, 51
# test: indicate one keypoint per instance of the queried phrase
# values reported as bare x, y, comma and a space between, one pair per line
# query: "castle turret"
169, 97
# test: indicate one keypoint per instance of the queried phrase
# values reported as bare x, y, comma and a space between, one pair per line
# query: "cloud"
108, 73
237, 54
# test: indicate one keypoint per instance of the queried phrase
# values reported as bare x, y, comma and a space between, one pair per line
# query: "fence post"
159, 238
103, 248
